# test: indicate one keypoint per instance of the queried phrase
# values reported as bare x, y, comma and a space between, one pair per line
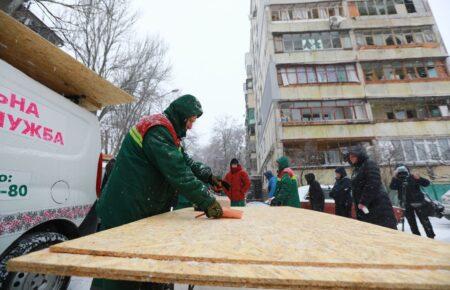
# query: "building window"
306, 11
404, 70
396, 36
385, 7
250, 116
311, 41
322, 111
316, 74
313, 154
249, 84
423, 109
415, 150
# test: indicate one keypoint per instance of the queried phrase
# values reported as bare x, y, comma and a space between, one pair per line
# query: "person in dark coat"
411, 198
316, 197
108, 169
371, 200
341, 193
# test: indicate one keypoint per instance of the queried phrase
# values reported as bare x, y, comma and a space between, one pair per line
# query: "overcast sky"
207, 42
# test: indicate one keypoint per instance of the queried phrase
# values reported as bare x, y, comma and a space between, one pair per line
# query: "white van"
50, 153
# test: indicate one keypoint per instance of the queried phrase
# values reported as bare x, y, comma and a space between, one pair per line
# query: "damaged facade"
326, 75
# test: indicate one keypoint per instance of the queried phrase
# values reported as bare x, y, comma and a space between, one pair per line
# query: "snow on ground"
441, 228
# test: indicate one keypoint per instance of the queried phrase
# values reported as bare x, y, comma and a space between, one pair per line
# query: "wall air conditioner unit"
335, 21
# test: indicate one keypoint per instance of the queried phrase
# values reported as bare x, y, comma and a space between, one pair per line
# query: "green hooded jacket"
149, 175
286, 193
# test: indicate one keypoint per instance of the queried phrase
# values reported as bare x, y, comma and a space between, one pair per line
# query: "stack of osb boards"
271, 247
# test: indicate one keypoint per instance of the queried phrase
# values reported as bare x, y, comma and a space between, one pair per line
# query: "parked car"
50, 150
446, 203
329, 202
330, 206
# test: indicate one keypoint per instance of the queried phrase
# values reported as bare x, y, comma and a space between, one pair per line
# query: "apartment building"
326, 75
250, 119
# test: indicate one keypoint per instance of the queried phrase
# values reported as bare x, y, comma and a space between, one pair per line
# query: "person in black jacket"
316, 197
371, 200
411, 198
341, 193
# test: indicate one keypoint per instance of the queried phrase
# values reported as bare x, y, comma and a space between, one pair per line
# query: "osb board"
224, 274
42, 61
265, 235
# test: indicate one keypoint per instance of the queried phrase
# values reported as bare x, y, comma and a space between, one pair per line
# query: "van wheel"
30, 281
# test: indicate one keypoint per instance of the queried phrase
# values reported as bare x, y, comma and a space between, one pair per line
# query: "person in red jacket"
239, 183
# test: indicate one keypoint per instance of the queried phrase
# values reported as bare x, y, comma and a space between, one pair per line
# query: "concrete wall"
390, 129
317, 57
411, 89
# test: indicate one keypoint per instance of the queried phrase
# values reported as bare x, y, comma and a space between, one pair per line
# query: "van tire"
27, 244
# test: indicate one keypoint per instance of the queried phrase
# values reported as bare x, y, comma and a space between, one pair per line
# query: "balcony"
366, 131
405, 78
313, 154
400, 52
322, 91
316, 57
336, 81
421, 87
412, 109
310, 113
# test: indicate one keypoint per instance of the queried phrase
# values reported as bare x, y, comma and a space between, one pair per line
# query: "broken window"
276, 15
389, 7
362, 8
399, 72
311, 41
410, 8
315, 111
404, 70
431, 69
397, 36
422, 109
305, 11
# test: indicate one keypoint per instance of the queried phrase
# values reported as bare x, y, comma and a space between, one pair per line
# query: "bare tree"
142, 72
191, 144
227, 142
99, 33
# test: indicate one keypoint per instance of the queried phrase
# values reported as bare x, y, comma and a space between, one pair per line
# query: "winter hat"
401, 169
310, 177
341, 171
283, 162
359, 151
268, 174
180, 110
234, 161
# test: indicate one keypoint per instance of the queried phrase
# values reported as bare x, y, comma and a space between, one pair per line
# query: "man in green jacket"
151, 170
286, 193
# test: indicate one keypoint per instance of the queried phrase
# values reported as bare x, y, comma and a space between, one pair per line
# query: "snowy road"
441, 228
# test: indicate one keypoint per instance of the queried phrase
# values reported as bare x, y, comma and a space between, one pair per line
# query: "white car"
303, 192
50, 153
446, 203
